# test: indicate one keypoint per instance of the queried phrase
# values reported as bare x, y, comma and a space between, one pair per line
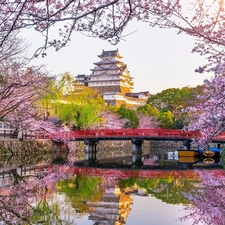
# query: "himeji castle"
111, 77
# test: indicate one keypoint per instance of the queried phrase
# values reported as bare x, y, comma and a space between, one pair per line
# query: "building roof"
112, 93
136, 94
104, 80
80, 75
105, 62
112, 67
112, 53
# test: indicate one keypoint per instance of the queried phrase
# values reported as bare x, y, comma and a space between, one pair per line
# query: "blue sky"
157, 58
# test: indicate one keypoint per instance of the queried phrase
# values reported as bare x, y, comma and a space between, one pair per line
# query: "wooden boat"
188, 153
188, 159
212, 153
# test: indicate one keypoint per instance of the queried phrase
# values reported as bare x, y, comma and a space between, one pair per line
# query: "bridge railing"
127, 133
220, 137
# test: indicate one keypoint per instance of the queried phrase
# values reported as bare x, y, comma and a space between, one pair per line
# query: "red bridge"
129, 134
137, 136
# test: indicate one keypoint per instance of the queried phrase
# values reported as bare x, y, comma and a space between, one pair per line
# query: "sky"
157, 59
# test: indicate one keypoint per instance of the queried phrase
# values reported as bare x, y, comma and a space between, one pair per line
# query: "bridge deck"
128, 134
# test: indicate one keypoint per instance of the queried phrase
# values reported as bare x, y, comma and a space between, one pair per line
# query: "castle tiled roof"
108, 62
111, 53
136, 94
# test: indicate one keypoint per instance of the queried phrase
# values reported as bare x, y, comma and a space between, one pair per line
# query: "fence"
7, 133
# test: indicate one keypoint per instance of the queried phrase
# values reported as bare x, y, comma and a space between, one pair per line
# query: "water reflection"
65, 194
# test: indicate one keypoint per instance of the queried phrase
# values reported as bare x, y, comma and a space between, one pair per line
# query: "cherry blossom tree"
147, 121
111, 120
18, 201
108, 19
13, 49
208, 204
208, 116
21, 88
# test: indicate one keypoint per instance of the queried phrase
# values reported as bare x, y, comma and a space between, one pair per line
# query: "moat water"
113, 192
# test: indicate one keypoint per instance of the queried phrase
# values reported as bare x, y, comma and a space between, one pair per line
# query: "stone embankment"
112, 149
14, 153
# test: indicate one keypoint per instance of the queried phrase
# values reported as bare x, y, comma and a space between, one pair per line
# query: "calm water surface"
163, 191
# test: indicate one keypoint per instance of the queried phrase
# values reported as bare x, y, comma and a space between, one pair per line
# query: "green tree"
81, 189
130, 114
148, 110
44, 212
81, 109
175, 100
59, 85
166, 119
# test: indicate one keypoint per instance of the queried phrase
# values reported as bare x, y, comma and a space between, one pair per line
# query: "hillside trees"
118, 118
170, 104
165, 118
109, 119
130, 115
146, 121
148, 116
148, 110
174, 99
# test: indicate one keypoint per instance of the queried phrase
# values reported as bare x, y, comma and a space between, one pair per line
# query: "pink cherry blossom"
208, 115
208, 200
107, 20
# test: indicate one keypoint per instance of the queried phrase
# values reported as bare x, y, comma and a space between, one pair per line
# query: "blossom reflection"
61, 194
208, 201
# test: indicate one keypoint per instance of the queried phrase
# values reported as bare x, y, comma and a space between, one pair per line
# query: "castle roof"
112, 53
111, 67
80, 75
105, 62
136, 94
120, 69
112, 93
103, 73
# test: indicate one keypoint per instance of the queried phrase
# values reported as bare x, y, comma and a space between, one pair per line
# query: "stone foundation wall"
103, 89
16, 147
14, 153
33, 152
168, 145
109, 149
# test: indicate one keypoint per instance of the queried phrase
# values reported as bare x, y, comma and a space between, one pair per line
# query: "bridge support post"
90, 151
137, 152
187, 144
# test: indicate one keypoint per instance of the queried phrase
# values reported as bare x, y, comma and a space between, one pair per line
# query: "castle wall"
103, 89
116, 102
125, 90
